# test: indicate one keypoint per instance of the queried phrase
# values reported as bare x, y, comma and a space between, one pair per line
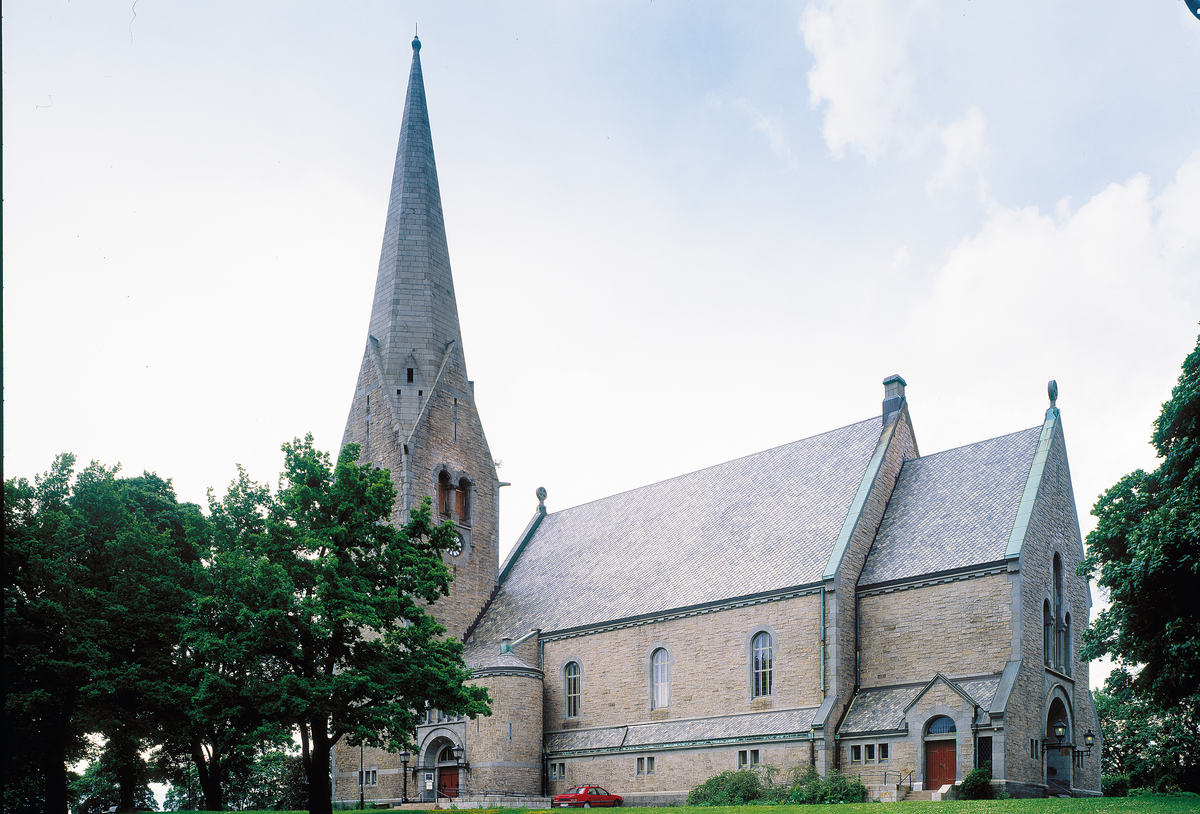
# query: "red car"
586, 796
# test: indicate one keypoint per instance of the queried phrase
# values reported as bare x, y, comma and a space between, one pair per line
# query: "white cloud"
963, 142
860, 70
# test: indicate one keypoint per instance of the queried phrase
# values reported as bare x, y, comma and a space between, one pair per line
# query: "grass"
1148, 804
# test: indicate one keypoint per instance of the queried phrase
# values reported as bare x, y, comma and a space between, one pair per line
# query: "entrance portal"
939, 764
448, 780
1058, 755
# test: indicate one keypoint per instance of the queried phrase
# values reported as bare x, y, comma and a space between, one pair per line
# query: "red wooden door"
448, 781
939, 764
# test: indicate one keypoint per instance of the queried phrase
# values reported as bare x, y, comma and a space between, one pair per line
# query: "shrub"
728, 788
808, 787
977, 785
1115, 785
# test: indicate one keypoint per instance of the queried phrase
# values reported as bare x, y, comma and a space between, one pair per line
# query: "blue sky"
680, 232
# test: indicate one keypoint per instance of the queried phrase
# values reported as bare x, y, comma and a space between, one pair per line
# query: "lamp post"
458, 759
404, 761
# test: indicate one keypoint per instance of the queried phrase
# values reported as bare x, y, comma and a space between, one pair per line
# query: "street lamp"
464, 767
404, 756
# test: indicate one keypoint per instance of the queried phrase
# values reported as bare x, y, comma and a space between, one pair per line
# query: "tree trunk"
319, 793
54, 772
210, 782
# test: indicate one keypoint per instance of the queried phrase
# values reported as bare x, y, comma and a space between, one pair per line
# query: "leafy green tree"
96, 583
1154, 748
337, 599
48, 643
221, 720
1146, 548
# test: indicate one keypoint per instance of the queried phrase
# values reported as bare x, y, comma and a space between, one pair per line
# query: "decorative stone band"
939, 578
524, 672
683, 613
693, 744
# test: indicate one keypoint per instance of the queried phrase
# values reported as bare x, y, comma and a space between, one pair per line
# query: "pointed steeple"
414, 311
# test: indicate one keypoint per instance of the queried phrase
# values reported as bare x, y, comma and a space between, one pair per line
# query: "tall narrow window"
1067, 658
763, 665
461, 497
573, 680
660, 679
1058, 613
445, 494
1047, 632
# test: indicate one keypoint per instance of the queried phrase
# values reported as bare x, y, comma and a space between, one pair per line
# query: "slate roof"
764, 725
882, 708
952, 509
760, 523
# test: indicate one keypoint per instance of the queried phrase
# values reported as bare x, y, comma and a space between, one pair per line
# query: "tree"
1146, 548
337, 598
1156, 748
96, 583
47, 643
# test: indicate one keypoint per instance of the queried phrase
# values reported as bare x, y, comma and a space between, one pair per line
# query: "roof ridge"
975, 443
872, 420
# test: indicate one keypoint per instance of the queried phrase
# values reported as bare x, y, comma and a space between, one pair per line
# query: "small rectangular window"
1033, 750
650, 765
641, 766
856, 754
883, 753
553, 771
742, 761
753, 758
870, 758
410, 374
562, 771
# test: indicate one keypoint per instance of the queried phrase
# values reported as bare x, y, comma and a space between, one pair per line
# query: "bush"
808, 787
728, 788
1115, 785
977, 785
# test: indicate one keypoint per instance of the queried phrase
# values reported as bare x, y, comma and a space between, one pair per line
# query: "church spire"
414, 317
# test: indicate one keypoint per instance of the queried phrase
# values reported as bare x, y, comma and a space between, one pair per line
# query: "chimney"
893, 395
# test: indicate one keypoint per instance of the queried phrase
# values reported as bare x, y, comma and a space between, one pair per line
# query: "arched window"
1047, 632
660, 679
574, 690
461, 501
762, 665
942, 725
445, 494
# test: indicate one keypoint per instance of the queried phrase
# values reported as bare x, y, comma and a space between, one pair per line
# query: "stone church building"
901, 617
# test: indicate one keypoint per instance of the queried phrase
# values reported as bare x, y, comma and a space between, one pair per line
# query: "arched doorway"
941, 752
1059, 754
440, 775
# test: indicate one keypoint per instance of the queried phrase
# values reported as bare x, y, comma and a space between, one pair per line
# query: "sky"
681, 232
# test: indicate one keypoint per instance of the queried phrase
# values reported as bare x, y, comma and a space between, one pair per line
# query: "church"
841, 602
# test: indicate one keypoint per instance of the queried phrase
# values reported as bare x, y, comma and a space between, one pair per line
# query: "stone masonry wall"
843, 616
1053, 528
676, 771
959, 628
505, 749
710, 666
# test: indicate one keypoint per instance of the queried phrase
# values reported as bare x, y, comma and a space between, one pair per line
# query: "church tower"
413, 411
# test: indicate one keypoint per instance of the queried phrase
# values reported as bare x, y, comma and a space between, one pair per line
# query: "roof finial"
416, 39
541, 496
1052, 391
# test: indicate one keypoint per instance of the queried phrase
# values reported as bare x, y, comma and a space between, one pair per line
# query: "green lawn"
1150, 804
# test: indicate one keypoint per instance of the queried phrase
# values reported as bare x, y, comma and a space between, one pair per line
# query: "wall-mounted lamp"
1089, 740
1060, 732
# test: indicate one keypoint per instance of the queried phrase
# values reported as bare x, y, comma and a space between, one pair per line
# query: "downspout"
821, 643
857, 649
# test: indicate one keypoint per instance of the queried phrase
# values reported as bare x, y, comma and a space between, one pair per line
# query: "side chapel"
904, 618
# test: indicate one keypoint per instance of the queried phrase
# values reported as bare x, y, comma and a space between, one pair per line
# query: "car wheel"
587, 805
616, 803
